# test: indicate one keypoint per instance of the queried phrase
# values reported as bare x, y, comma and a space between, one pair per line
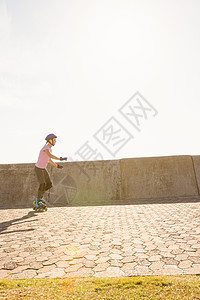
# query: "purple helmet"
50, 136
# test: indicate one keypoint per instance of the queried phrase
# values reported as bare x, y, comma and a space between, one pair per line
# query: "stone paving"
101, 241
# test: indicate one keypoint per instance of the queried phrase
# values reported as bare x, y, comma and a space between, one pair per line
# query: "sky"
112, 79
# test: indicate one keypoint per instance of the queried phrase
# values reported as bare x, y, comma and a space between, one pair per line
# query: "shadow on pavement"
5, 225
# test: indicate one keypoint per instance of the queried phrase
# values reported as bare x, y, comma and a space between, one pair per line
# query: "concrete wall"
18, 185
103, 182
81, 182
77, 183
158, 177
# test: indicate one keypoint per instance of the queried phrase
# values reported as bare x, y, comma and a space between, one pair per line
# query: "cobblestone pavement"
101, 241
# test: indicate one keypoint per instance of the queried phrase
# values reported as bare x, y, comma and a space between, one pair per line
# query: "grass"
143, 287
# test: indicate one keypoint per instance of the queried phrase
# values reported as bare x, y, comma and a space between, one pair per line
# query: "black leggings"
44, 181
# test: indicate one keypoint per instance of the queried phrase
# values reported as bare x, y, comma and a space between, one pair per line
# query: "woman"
44, 180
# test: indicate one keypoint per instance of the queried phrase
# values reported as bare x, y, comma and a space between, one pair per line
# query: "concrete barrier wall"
101, 182
18, 185
77, 183
86, 182
158, 177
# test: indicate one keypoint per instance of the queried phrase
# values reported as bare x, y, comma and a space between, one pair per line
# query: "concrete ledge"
103, 182
155, 177
18, 185
80, 182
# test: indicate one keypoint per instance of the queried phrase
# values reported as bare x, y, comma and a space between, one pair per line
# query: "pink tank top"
43, 158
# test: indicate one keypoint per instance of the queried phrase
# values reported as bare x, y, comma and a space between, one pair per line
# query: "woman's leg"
41, 179
48, 183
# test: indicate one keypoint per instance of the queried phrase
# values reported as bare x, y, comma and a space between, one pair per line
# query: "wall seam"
121, 191
198, 189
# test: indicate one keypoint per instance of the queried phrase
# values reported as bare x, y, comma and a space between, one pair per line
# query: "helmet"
50, 136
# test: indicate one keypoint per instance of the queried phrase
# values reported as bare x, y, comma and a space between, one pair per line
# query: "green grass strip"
144, 287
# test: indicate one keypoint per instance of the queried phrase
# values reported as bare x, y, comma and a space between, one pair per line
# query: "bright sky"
68, 66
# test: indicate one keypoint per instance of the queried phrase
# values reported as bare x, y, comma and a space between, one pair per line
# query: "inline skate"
39, 205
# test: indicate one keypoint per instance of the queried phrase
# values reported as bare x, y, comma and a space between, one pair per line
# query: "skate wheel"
45, 208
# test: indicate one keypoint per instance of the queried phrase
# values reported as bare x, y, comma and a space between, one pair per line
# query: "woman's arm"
51, 155
53, 163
